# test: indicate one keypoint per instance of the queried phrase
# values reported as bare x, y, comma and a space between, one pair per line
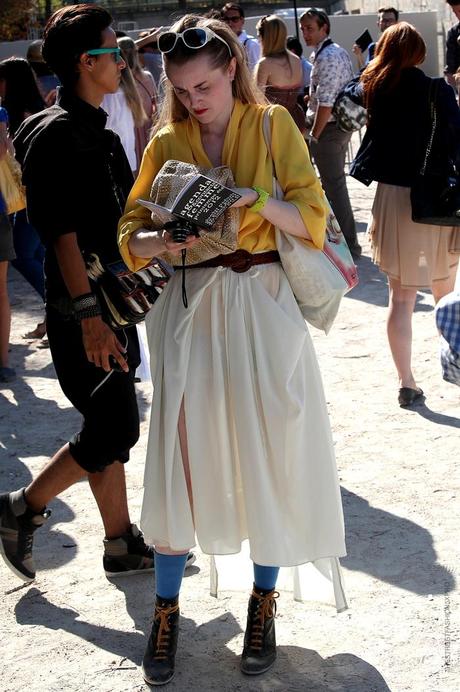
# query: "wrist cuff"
86, 305
261, 201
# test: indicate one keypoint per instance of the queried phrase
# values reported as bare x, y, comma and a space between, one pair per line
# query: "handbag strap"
433, 95
327, 42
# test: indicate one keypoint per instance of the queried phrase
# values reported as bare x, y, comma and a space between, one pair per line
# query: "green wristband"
261, 201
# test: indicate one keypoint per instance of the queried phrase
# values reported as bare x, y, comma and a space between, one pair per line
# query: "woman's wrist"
260, 201
146, 244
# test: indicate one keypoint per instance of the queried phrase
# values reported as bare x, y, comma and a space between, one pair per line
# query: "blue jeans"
30, 253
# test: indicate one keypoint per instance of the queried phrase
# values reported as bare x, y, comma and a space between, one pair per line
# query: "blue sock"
169, 570
265, 577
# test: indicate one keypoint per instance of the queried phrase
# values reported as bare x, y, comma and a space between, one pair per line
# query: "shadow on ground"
392, 549
203, 655
373, 287
439, 418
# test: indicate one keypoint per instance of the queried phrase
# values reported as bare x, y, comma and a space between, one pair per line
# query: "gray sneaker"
130, 554
17, 526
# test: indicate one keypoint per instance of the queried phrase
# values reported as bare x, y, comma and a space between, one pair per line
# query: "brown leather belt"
239, 261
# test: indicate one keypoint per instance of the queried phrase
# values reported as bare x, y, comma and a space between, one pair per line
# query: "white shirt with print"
331, 70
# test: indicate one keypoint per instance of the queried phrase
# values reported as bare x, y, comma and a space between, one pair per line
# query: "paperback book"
202, 201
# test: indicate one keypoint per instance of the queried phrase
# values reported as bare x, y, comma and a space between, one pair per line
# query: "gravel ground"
73, 630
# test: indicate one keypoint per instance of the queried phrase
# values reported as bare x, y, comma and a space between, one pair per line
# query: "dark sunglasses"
231, 18
195, 38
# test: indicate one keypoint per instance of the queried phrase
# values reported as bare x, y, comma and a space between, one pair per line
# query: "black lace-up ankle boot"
259, 651
160, 654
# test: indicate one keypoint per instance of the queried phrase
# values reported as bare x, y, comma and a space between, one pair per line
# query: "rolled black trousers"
107, 401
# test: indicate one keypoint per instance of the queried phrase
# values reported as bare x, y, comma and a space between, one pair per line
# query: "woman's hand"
175, 248
248, 197
147, 244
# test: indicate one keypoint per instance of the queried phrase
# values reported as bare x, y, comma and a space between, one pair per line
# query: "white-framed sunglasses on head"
194, 37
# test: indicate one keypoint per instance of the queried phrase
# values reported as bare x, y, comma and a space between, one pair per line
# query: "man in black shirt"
77, 178
452, 45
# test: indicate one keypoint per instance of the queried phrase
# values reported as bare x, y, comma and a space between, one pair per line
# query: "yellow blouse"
245, 153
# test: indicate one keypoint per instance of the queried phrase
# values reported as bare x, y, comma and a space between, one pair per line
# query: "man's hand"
359, 55
100, 344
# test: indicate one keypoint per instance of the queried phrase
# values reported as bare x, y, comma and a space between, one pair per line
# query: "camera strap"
184, 290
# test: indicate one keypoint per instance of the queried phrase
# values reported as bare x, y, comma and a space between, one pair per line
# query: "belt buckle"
242, 261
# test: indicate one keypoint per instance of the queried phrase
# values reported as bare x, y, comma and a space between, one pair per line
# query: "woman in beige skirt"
413, 255
240, 445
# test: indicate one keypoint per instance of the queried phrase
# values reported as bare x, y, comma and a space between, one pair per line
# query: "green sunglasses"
100, 51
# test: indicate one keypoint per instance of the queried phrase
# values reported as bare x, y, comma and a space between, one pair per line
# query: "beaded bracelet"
86, 305
261, 201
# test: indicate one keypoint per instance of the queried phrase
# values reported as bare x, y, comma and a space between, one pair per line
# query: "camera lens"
179, 230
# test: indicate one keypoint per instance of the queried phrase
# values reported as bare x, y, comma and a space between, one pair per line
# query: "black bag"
435, 197
126, 297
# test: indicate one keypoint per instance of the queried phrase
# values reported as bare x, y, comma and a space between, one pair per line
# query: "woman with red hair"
413, 255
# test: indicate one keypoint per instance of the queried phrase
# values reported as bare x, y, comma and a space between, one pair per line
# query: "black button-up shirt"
77, 179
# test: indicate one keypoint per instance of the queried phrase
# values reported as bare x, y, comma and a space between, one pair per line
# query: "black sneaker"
17, 526
129, 554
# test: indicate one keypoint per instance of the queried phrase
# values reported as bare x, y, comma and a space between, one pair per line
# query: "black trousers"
107, 401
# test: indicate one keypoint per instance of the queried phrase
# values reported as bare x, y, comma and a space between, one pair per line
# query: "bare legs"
399, 330
182, 430
399, 322
442, 288
108, 488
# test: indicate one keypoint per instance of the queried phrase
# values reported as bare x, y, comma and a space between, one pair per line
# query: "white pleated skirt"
260, 448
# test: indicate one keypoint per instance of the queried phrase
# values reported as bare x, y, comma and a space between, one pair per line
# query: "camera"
180, 229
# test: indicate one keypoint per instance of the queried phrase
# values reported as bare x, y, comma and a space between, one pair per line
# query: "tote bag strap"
277, 192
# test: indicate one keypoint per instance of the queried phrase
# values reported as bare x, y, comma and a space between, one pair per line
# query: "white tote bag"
318, 278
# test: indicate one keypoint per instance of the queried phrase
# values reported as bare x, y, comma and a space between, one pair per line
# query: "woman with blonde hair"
146, 89
414, 256
126, 113
279, 71
239, 445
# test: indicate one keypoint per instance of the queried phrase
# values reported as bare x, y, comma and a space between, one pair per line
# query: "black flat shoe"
408, 396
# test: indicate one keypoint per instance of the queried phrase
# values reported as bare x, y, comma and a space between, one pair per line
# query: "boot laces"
25, 544
265, 609
164, 630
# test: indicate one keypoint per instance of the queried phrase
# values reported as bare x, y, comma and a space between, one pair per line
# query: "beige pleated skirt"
415, 254
260, 448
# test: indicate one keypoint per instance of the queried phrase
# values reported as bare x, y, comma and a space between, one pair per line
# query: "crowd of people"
257, 463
